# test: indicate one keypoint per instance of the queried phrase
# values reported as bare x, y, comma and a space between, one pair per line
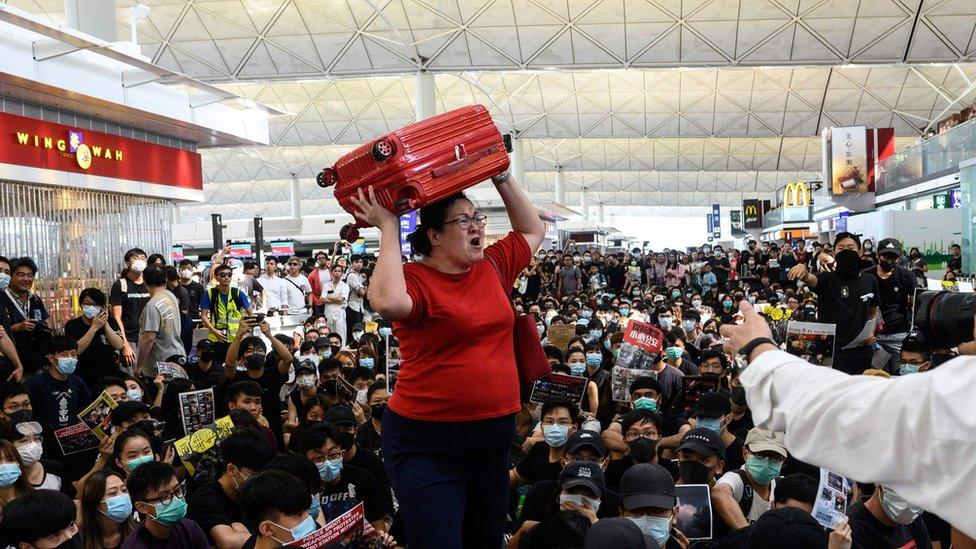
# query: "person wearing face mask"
675, 354
59, 394
896, 285
701, 457
649, 501
11, 367
343, 486
886, 519
741, 495
41, 519
642, 433
306, 387
214, 505
345, 422
128, 297
569, 278
160, 499
560, 419
27, 438
846, 297
193, 288
205, 372
97, 337
105, 511
576, 360
159, 326
368, 434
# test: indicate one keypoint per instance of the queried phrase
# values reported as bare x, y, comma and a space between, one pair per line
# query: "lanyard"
20, 306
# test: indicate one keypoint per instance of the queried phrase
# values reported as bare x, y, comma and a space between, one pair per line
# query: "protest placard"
558, 385
97, 415
171, 371
621, 378
641, 346
76, 438
811, 341
347, 530
694, 518
199, 451
197, 410
559, 335
832, 496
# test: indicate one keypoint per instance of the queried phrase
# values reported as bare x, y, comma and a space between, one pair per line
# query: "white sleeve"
913, 433
735, 482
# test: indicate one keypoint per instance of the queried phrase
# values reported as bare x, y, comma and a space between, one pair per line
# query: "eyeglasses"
480, 220
224, 275
549, 422
167, 498
293, 264
775, 458
631, 437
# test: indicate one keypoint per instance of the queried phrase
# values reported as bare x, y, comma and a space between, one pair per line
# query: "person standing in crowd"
357, 290
296, 287
955, 261
96, 336
10, 363
249, 284
159, 327
128, 298
221, 310
446, 446
316, 280
335, 295
569, 279
275, 293
30, 323
848, 298
896, 286
183, 298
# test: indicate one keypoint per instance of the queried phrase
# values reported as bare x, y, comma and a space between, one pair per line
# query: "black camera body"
944, 319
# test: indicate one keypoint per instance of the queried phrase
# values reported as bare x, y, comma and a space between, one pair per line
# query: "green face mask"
645, 403
132, 465
763, 470
170, 513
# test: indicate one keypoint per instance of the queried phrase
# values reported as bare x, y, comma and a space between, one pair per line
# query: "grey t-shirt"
355, 283
162, 316
570, 277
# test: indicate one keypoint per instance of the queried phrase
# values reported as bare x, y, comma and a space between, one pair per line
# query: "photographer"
896, 431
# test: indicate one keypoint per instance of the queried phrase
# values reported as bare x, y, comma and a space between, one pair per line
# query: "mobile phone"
259, 317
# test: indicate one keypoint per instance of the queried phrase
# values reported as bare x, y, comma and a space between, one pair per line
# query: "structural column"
425, 94
517, 159
584, 204
295, 194
560, 187
600, 213
967, 183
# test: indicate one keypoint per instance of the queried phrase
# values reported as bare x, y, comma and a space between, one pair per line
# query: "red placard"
644, 336
284, 247
39, 144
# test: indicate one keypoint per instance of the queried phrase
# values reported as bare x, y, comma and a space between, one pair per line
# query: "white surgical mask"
361, 396
138, 265
897, 508
357, 335
306, 382
30, 453
91, 311
186, 274
579, 501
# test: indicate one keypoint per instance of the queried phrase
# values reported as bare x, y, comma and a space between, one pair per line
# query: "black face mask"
692, 472
886, 267
331, 387
254, 362
20, 416
643, 450
377, 410
345, 440
848, 264
147, 426
207, 356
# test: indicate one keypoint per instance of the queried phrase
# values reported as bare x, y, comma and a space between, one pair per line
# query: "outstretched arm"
522, 214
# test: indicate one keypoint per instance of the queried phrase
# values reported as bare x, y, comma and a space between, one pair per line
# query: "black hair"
330, 363
11, 389
645, 382
798, 486
639, 416
9, 432
250, 265
561, 402
432, 217
220, 268
125, 436
247, 448
844, 235
94, 294
4, 260
251, 341
715, 353
360, 372
300, 466
148, 478
60, 344
269, 495
376, 386
561, 529
23, 262
171, 273
691, 314
186, 263
249, 388
554, 352
154, 276
316, 436
36, 514
104, 382
913, 344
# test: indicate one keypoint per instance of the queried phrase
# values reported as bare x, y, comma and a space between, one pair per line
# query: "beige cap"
761, 440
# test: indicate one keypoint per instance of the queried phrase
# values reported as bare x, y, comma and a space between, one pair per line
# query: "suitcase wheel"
326, 178
349, 233
383, 149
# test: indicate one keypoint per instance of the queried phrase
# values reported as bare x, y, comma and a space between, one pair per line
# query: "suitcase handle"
461, 161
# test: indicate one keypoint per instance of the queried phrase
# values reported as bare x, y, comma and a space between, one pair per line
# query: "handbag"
530, 358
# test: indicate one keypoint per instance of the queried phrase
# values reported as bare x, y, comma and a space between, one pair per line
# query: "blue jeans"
450, 479
891, 343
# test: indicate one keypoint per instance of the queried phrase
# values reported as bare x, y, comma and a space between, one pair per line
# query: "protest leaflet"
171, 371
694, 518
811, 341
832, 497
347, 530
559, 335
558, 385
620, 381
199, 451
196, 410
641, 347
76, 438
97, 415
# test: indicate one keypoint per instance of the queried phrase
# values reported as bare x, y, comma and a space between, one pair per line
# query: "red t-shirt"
456, 343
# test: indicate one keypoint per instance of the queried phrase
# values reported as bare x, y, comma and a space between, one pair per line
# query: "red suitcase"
420, 164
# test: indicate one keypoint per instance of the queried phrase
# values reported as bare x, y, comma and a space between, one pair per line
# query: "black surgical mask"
377, 410
345, 440
643, 450
207, 356
20, 416
886, 267
848, 264
692, 472
254, 362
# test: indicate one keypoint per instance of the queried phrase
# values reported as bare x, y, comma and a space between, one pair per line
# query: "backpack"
745, 504
235, 294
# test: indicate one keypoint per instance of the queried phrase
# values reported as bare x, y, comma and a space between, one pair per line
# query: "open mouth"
475, 242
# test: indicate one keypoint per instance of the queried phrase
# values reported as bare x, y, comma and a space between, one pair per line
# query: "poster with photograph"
197, 410
558, 385
641, 346
832, 497
76, 438
811, 341
849, 161
621, 378
560, 334
200, 451
347, 530
694, 518
171, 371
97, 415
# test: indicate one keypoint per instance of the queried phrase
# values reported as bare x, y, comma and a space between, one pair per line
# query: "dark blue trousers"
450, 479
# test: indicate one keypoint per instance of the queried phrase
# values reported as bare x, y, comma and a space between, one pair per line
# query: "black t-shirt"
133, 300
895, 291
213, 377
846, 303
355, 485
57, 402
183, 297
535, 466
369, 461
955, 264
868, 533
720, 268
210, 506
616, 277
30, 345
539, 498
99, 359
367, 438
195, 290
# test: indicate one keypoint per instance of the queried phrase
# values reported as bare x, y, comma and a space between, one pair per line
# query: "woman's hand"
840, 538
100, 319
371, 211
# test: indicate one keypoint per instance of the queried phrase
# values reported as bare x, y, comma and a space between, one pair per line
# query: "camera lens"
945, 319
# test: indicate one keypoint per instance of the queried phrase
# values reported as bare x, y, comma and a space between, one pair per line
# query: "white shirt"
355, 282
759, 505
915, 433
297, 288
274, 291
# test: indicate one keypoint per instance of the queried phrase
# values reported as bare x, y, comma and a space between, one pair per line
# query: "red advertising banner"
46, 145
644, 336
283, 247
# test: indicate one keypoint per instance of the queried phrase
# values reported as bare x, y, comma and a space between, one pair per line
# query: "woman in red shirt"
447, 429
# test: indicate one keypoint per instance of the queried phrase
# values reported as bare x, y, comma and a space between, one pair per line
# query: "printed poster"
197, 410
832, 496
558, 385
76, 438
849, 161
641, 347
347, 530
171, 371
694, 518
199, 451
558, 335
97, 415
621, 378
811, 341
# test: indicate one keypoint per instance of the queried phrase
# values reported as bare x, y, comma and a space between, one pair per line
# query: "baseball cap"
703, 441
761, 440
204, 344
647, 485
617, 532
787, 527
713, 405
322, 341
889, 246
583, 438
580, 473
340, 415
